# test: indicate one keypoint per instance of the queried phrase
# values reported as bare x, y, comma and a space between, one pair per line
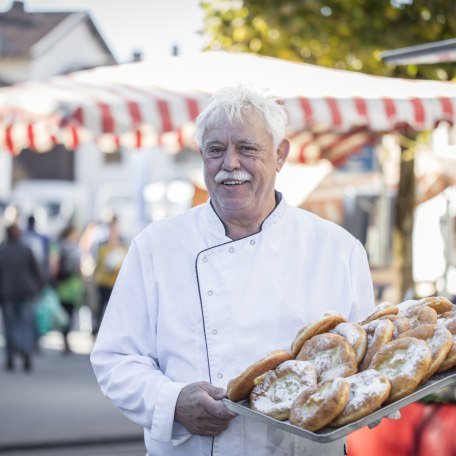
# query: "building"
40, 44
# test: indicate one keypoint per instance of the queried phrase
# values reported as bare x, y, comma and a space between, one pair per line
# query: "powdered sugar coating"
275, 394
331, 355
365, 387
349, 331
317, 406
405, 361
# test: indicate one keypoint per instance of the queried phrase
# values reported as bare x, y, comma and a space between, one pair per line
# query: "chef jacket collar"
217, 227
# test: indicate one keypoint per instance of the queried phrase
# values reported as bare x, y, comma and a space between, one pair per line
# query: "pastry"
331, 355
368, 390
317, 406
401, 324
240, 387
450, 360
448, 319
385, 308
355, 335
405, 361
379, 332
439, 340
324, 324
438, 303
275, 394
419, 315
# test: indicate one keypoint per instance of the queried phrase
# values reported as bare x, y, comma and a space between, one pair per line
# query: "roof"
436, 52
140, 104
21, 29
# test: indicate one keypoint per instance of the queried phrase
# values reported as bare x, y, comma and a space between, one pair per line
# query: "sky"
152, 26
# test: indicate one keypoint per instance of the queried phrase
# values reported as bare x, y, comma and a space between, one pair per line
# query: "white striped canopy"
331, 112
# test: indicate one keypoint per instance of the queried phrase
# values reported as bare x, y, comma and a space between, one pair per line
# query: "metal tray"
327, 434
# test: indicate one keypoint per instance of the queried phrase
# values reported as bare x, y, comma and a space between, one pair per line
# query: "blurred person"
69, 283
20, 285
110, 256
40, 245
204, 294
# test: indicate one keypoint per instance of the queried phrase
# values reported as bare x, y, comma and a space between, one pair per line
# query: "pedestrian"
20, 285
69, 283
206, 293
110, 256
40, 245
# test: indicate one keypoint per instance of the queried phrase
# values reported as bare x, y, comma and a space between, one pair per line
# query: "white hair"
240, 99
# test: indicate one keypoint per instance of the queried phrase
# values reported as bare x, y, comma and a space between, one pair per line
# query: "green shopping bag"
49, 314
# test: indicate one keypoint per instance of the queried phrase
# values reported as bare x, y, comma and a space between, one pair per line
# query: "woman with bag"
69, 284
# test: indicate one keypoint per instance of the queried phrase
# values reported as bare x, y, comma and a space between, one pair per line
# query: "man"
203, 295
20, 285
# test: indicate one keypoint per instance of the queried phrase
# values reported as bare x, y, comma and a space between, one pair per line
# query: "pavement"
59, 404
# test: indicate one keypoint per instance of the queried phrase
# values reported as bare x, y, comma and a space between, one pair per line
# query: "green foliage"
345, 34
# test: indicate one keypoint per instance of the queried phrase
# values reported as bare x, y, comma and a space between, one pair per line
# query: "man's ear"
282, 153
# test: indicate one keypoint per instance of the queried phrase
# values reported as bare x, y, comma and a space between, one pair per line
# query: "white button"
252, 242
219, 375
205, 260
231, 249
210, 293
214, 331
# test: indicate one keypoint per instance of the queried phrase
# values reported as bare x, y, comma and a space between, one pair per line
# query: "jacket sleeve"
124, 357
362, 287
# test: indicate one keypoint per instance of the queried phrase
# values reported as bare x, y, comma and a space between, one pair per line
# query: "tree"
344, 34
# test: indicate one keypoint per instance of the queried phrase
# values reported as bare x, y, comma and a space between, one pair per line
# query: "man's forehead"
249, 126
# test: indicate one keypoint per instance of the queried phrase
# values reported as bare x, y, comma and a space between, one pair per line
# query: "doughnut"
419, 315
327, 322
318, 405
401, 324
275, 394
385, 308
405, 361
331, 355
379, 332
439, 303
439, 340
355, 335
240, 387
368, 390
450, 360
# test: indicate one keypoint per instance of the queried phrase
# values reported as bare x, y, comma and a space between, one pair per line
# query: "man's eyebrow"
213, 141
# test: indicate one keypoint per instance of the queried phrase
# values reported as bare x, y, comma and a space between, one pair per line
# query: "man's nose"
231, 159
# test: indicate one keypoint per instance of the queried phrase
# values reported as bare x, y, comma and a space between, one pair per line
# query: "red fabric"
423, 430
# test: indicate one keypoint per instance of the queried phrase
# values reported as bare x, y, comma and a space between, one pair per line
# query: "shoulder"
177, 225
321, 228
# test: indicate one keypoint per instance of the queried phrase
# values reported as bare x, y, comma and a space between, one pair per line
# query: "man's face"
240, 165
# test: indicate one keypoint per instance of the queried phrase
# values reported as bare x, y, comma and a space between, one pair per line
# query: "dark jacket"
20, 277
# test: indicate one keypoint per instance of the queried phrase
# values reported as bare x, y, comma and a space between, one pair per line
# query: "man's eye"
247, 149
214, 151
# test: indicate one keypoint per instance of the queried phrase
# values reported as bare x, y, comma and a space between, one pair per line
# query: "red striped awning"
332, 113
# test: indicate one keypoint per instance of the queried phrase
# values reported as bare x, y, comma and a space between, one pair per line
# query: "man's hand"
200, 410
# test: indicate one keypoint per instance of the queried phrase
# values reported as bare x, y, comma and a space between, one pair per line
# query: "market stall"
331, 112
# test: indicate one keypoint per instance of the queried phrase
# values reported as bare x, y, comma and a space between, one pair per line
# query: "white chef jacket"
191, 304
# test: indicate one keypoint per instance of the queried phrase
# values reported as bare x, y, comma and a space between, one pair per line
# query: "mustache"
237, 175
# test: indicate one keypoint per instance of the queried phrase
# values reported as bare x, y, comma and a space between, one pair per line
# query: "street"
58, 408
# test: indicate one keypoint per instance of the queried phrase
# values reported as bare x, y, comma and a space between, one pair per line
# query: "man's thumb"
215, 392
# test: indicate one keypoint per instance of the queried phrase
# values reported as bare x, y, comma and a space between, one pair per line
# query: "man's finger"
216, 409
214, 391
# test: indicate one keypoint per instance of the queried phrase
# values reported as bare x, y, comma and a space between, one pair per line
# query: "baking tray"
436, 382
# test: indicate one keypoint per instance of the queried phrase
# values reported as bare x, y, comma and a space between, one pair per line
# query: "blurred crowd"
45, 281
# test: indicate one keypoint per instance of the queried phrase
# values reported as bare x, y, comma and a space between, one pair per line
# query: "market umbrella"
332, 113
